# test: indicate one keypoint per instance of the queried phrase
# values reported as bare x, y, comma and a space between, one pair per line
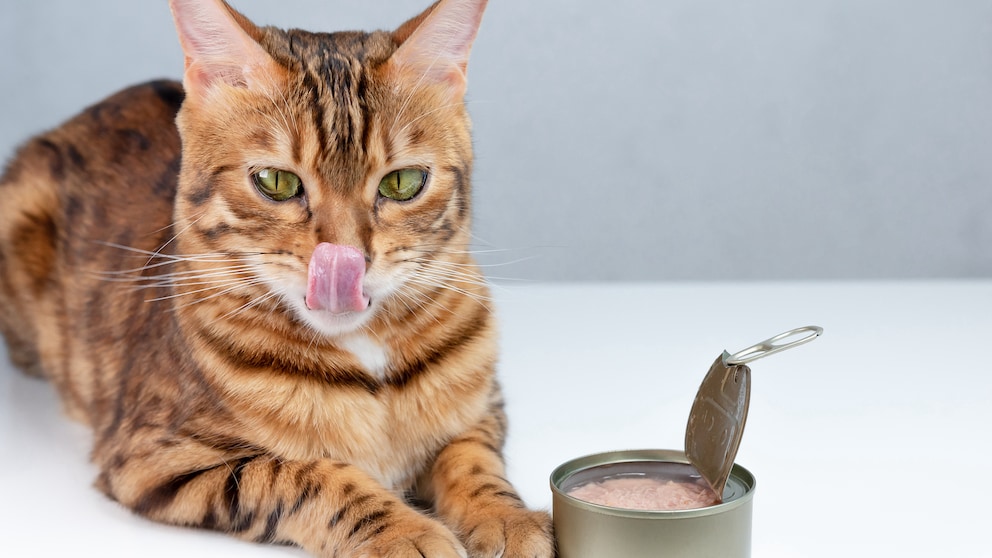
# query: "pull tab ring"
773, 345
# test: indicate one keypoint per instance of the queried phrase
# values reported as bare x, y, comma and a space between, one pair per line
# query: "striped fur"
144, 276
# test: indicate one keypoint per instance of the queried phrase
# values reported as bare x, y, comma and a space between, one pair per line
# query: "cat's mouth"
335, 280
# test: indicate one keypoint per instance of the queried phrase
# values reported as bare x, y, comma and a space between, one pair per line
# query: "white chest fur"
373, 357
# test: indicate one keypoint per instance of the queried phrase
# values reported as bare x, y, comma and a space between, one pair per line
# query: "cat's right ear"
221, 48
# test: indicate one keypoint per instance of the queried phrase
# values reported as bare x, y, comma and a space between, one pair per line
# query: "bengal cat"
255, 287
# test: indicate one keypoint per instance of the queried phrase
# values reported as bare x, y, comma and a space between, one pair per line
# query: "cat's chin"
334, 324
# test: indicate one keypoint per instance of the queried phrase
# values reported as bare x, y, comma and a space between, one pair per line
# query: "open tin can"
587, 530
664, 503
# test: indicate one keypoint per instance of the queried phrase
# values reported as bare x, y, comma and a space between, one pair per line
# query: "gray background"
648, 139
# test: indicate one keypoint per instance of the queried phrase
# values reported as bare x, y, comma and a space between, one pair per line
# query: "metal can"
586, 530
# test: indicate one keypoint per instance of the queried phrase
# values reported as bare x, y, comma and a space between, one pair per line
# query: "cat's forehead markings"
406, 150
282, 149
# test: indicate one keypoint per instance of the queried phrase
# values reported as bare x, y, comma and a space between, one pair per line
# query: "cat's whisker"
400, 297
131, 277
228, 286
202, 273
133, 249
218, 280
441, 249
175, 236
155, 232
250, 304
437, 282
136, 274
187, 284
457, 275
462, 272
206, 272
407, 294
204, 257
442, 274
423, 259
233, 288
439, 269
433, 307
460, 267
477, 265
431, 255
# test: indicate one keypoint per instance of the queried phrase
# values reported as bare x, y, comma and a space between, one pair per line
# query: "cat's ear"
435, 45
221, 47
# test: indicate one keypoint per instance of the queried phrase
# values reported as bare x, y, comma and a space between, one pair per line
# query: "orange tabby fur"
161, 294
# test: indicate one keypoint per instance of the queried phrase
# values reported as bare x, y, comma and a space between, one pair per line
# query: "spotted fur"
148, 280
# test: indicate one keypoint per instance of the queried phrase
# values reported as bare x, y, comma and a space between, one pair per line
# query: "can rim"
565, 470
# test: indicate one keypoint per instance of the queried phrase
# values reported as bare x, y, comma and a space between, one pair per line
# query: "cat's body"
271, 326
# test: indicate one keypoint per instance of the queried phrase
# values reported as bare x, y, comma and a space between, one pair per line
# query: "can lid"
719, 412
716, 422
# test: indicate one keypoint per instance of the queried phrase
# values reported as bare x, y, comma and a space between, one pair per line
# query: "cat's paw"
415, 536
510, 533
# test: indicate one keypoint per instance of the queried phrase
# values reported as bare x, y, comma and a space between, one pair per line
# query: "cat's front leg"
329, 508
472, 495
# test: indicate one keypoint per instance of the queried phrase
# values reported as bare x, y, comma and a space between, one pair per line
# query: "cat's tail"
27, 239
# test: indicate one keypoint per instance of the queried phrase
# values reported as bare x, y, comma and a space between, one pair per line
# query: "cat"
256, 288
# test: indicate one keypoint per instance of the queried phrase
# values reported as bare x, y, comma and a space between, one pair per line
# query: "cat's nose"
339, 222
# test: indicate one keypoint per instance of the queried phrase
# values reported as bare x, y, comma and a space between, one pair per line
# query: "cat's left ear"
435, 46
221, 47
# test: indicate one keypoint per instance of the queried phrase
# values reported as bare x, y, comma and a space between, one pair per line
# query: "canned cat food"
682, 520
641, 485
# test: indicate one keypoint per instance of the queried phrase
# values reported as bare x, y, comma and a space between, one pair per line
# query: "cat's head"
331, 170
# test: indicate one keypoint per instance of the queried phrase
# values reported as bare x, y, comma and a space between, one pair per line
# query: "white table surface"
871, 441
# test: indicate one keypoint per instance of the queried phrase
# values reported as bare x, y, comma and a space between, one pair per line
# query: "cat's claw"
514, 533
414, 537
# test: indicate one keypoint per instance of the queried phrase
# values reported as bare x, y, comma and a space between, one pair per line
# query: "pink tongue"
335, 279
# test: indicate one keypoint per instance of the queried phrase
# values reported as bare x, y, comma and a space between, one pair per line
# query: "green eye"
277, 185
403, 184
